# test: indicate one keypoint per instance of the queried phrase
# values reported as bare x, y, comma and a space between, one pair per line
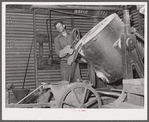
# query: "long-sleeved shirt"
61, 42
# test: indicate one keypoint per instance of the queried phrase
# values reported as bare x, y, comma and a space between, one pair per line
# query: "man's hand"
83, 60
68, 49
65, 51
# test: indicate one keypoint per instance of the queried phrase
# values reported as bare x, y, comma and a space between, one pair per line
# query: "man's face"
60, 27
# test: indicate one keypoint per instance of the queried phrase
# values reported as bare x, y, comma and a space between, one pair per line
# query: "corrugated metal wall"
54, 75
19, 36
134, 17
137, 20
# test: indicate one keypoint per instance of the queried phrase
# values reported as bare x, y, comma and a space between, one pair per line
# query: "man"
63, 49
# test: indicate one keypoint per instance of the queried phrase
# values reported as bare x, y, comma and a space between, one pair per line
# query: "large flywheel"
80, 95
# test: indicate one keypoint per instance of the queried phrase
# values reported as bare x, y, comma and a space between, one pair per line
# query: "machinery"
113, 50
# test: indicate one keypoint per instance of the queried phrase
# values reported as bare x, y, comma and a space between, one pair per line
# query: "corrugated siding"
134, 17
19, 36
83, 25
135, 21
49, 76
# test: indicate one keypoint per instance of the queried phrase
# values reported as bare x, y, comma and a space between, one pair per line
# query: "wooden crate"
135, 91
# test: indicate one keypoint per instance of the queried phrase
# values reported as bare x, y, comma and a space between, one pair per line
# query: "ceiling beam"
101, 8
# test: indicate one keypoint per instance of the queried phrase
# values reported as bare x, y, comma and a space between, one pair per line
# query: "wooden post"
7, 97
40, 52
35, 49
140, 22
72, 22
92, 77
50, 40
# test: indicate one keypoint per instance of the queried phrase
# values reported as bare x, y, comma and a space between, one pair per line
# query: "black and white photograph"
74, 60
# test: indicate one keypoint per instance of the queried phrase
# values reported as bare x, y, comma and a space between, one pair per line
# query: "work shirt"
61, 42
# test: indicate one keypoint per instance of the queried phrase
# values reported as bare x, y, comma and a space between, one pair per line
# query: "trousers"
66, 71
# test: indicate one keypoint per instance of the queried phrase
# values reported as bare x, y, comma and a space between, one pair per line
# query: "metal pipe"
27, 65
74, 18
72, 22
35, 49
50, 40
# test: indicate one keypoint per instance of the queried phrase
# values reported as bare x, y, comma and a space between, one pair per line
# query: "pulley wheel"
76, 34
80, 95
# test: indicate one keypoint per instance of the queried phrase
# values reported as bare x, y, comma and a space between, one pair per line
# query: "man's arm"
65, 51
58, 47
62, 52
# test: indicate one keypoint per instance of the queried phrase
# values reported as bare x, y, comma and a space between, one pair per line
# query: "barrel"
98, 50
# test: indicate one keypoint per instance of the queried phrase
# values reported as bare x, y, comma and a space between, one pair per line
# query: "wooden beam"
140, 22
50, 60
92, 76
115, 94
35, 49
70, 13
33, 105
101, 8
122, 105
116, 90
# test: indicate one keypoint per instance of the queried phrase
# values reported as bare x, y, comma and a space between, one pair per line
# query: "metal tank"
98, 50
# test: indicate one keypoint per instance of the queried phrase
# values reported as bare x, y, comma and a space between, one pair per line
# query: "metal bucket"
99, 51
